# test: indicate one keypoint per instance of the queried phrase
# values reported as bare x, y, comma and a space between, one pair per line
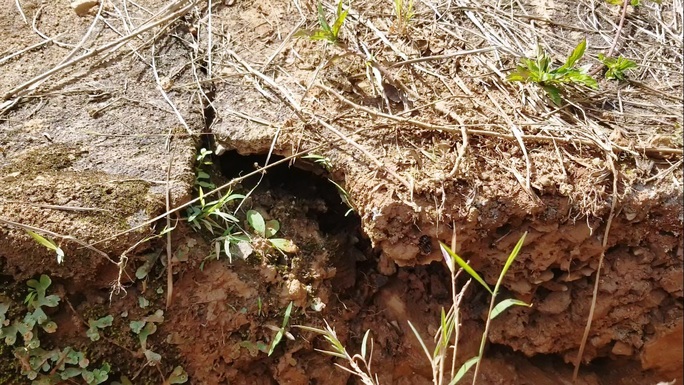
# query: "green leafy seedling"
494, 308
94, 326
553, 80
37, 290
281, 332
144, 328
26, 328
212, 215
326, 32
267, 230
49, 243
616, 66
202, 178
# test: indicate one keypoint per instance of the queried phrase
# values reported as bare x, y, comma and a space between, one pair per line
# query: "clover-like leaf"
152, 357
100, 375
94, 325
178, 376
49, 327
284, 245
256, 220
157, 317
137, 326
70, 372
272, 228
50, 301
3, 310
88, 377
39, 316
149, 329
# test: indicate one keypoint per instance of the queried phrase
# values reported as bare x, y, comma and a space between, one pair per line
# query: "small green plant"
266, 230
47, 367
495, 309
94, 325
212, 215
144, 328
403, 11
344, 195
28, 327
202, 178
616, 67
177, 376
553, 80
321, 160
326, 32
282, 331
360, 364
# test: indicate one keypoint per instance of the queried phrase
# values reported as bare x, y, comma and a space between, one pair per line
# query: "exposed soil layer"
417, 140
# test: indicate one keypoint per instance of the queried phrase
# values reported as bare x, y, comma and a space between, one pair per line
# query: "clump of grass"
616, 67
281, 331
325, 31
359, 364
403, 12
495, 309
554, 80
447, 336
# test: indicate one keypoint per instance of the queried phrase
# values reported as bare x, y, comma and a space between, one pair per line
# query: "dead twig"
169, 250
590, 317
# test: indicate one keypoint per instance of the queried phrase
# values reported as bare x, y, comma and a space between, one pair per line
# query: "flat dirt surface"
148, 140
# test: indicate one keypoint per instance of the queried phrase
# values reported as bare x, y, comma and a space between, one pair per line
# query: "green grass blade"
42, 240
276, 341
286, 319
505, 304
364, 344
512, 257
310, 329
334, 354
464, 265
463, 370
425, 349
321, 19
339, 21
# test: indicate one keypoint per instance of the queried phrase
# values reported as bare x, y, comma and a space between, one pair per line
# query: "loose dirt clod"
81, 7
